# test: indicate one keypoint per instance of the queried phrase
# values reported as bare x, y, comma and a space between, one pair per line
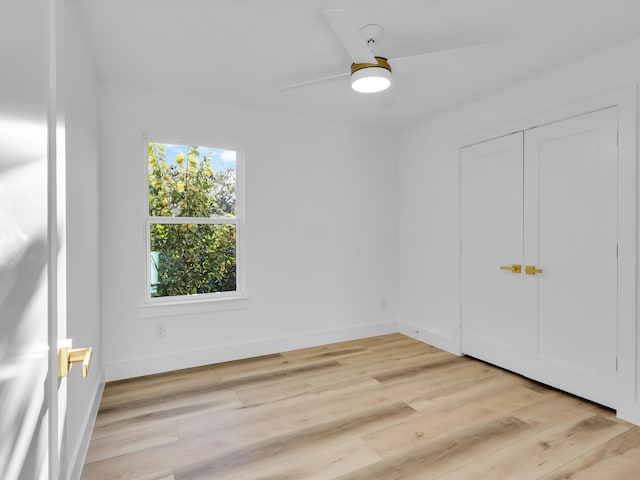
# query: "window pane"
191, 181
187, 259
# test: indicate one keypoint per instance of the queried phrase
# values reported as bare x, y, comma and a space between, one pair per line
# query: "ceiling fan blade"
309, 83
350, 38
412, 63
390, 97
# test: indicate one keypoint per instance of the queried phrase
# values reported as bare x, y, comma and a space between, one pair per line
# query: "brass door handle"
515, 268
531, 270
67, 356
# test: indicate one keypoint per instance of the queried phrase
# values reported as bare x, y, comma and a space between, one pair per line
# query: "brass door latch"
531, 270
515, 268
67, 356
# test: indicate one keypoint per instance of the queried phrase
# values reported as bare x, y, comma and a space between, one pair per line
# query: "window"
193, 222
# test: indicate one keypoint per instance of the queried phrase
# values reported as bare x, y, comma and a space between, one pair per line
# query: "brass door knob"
531, 270
67, 356
515, 268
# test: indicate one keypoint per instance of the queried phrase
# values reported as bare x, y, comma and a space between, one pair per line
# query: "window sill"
192, 307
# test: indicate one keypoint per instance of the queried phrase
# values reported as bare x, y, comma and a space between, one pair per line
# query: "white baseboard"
630, 413
223, 353
78, 457
432, 336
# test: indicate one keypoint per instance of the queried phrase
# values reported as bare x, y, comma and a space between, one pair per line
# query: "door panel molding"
490, 247
570, 230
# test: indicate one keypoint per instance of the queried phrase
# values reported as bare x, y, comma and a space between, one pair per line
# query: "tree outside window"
192, 221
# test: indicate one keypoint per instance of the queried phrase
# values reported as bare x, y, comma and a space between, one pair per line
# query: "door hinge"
617, 251
618, 138
616, 364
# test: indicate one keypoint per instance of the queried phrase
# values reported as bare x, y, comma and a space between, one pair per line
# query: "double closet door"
539, 253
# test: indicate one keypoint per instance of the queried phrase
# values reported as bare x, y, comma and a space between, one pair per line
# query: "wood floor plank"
542, 453
165, 474
132, 440
556, 407
210, 387
381, 408
379, 360
619, 457
161, 411
160, 458
314, 463
433, 458
276, 447
120, 390
325, 352
419, 386
432, 362
244, 424
300, 388
203, 397
497, 392
424, 427
447, 417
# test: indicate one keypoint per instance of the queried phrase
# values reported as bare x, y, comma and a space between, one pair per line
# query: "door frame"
625, 99
56, 392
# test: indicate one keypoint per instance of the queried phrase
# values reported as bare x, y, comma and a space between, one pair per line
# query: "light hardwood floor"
382, 408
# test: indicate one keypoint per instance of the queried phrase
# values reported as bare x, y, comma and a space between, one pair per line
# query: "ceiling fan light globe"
371, 80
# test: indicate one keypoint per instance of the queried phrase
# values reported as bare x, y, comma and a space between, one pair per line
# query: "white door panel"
29, 387
492, 226
571, 234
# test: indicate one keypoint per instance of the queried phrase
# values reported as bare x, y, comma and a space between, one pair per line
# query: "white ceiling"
240, 51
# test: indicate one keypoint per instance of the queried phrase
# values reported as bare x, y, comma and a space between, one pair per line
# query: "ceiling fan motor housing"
382, 63
371, 77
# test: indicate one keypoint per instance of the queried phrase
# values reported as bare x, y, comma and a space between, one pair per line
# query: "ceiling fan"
369, 73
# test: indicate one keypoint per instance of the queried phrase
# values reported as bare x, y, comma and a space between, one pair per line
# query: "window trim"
238, 221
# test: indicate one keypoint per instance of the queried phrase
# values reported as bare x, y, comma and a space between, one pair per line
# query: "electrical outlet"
161, 330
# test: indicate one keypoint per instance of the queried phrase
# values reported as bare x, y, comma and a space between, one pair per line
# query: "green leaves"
190, 258
189, 187
193, 258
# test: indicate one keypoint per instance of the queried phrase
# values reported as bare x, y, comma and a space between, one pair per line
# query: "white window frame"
237, 220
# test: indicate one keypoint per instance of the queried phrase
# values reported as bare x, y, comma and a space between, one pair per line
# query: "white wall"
80, 98
428, 187
320, 233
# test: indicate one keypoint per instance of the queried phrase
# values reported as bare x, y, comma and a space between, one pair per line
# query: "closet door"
570, 233
493, 325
